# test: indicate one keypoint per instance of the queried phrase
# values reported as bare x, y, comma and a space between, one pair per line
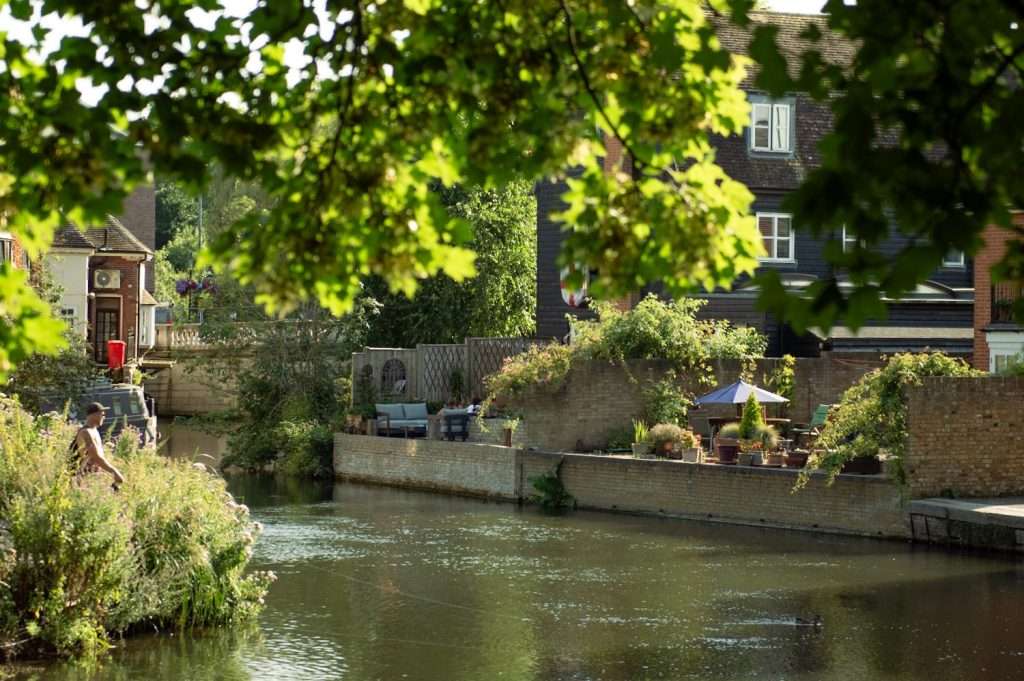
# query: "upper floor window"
850, 240
770, 126
777, 236
953, 259
6, 250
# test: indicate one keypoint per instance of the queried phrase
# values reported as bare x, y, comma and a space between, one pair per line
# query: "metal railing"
1004, 296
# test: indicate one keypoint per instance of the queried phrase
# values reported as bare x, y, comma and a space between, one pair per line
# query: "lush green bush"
80, 563
664, 433
654, 329
306, 449
871, 417
665, 401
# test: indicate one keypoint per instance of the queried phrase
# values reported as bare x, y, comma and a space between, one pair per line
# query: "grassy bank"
81, 564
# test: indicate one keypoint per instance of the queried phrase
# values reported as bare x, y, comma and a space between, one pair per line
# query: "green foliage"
306, 449
550, 490
730, 431
664, 433
782, 379
81, 563
665, 401
406, 95
768, 436
640, 431
1015, 367
620, 438
457, 385
364, 394
53, 380
752, 420
284, 371
654, 329
499, 301
871, 417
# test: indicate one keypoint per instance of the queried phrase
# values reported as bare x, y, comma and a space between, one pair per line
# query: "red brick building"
997, 338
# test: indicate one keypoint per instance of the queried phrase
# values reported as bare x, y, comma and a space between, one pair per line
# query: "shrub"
729, 431
664, 433
782, 379
84, 563
654, 329
871, 417
641, 433
306, 449
619, 438
665, 401
752, 420
550, 490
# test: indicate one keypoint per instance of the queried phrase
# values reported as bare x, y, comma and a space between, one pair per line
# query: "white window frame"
950, 262
849, 241
780, 120
772, 255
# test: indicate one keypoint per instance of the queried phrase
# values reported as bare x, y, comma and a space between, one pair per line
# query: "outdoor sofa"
409, 419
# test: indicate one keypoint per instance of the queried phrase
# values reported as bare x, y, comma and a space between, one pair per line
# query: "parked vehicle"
127, 405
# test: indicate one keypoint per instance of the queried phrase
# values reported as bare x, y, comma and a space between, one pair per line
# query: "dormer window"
953, 259
770, 127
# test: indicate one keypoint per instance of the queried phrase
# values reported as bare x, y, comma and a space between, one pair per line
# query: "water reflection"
386, 584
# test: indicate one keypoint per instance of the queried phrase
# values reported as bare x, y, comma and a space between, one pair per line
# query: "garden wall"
965, 437
866, 505
179, 391
600, 396
462, 468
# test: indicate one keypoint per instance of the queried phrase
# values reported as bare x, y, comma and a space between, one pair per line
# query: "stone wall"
179, 391
462, 468
601, 396
866, 505
966, 437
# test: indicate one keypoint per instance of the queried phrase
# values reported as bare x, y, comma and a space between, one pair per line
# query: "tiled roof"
812, 119
113, 236
69, 237
833, 47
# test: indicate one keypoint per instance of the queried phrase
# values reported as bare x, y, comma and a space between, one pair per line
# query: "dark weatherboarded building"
771, 158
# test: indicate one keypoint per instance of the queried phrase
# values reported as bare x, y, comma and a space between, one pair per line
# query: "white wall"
70, 270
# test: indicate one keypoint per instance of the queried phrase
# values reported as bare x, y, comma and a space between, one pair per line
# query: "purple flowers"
206, 285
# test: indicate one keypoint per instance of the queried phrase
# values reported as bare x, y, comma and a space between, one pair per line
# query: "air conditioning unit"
106, 279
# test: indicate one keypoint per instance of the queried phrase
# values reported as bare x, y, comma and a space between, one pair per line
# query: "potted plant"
797, 458
666, 437
863, 465
750, 429
770, 442
728, 444
641, 439
689, 447
509, 429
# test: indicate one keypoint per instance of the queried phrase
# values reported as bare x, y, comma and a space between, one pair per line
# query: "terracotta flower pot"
728, 451
797, 459
775, 459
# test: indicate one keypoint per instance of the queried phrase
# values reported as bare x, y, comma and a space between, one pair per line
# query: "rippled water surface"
384, 584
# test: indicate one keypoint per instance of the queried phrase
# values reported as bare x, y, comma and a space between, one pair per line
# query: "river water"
385, 584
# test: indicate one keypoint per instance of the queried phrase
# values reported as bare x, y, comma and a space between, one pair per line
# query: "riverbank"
854, 505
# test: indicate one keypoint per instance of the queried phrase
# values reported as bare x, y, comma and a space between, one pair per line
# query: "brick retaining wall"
738, 494
965, 436
759, 496
463, 468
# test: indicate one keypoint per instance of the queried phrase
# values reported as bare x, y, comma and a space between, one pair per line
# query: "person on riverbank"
88, 446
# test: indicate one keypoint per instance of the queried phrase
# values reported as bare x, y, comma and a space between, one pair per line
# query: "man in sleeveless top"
89, 445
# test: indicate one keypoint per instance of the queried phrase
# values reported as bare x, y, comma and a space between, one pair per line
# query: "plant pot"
797, 459
863, 465
728, 451
775, 459
672, 451
691, 455
640, 449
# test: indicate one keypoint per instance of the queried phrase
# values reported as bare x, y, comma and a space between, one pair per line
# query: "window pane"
762, 115
782, 248
954, 258
768, 243
783, 226
761, 137
780, 128
765, 225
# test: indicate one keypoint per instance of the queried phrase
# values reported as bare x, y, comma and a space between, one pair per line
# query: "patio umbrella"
738, 392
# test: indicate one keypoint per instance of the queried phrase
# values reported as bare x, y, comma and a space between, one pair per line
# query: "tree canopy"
345, 113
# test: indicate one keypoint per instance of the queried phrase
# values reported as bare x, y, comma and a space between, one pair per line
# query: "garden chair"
810, 431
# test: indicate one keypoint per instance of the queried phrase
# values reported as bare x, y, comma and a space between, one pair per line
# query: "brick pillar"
992, 252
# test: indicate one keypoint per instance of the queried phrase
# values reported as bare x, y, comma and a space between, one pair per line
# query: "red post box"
115, 354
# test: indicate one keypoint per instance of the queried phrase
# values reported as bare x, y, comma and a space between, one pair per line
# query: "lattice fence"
485, 357
437, 363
